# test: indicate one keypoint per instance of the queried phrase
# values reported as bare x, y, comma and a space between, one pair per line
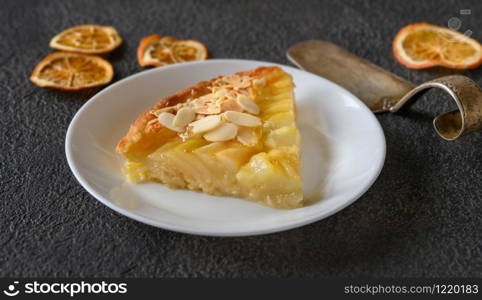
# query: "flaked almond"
167, 120
208, 110
247, 136
165, 109
231, 104
244, 92
242, 119
247, 104
184, 116
220, 93
224, 132
206, 105
238, 81
260, 82
205, 124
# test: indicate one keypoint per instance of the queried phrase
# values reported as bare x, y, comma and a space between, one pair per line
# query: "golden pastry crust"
145, 136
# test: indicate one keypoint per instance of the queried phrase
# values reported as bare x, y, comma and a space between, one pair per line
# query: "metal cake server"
383, 91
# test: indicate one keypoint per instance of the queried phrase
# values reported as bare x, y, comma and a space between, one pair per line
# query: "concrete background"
422, 217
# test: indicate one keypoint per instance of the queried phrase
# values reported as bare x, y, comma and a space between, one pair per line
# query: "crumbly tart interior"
232, 136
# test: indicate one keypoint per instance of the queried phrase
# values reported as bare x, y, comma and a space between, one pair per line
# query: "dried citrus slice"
72, 71
423, 45
157, 51
90, 39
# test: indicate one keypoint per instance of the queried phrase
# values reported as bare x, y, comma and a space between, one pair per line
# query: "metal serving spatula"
383, 91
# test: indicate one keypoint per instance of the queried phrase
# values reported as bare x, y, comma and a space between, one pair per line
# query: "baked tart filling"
231, 136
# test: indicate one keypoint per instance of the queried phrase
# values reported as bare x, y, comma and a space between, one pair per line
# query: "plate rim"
203, 232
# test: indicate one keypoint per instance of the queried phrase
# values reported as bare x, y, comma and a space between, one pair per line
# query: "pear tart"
231, 136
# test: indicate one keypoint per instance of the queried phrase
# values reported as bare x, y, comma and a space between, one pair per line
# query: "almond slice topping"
225, 132
206, 105
184, 116
247, 136
220, 93
205, 124
231, 104
169, 109
260, 82
167, 120
242, 119
248, 105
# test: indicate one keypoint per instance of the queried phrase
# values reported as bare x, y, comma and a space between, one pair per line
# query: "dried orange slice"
90, 39
424, 45
72, 71
157, 51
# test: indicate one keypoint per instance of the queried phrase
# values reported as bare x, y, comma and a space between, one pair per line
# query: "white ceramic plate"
343, 153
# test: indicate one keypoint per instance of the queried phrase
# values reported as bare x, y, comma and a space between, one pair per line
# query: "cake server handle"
466, 94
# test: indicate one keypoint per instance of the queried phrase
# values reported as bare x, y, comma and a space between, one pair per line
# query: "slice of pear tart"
230, 136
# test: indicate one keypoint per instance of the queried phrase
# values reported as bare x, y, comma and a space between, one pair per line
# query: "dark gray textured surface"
422, 217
